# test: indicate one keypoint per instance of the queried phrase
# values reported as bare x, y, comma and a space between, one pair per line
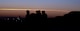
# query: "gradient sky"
50, 4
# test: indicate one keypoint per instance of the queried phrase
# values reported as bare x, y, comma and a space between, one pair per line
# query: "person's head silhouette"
28, 12
43, 12
38, 12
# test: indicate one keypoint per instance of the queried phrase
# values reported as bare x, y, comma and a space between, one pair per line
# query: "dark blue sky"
52, 4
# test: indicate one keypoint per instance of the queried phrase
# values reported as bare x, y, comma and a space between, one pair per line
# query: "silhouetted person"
38, 14
32, 15
27, 17
44, 15
27, 13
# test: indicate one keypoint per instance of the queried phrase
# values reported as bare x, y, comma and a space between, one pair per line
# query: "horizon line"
34, 8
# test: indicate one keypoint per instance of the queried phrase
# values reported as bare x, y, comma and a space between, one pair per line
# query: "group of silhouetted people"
37, 18
36, 15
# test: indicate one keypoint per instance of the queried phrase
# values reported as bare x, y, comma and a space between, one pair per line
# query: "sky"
40, 4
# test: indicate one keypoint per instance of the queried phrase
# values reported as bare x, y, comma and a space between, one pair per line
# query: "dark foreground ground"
40, 22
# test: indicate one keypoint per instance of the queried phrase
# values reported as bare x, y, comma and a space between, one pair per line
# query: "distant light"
18, 18
7, 18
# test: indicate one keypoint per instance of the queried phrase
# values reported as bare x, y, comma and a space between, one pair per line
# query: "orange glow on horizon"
22, 12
